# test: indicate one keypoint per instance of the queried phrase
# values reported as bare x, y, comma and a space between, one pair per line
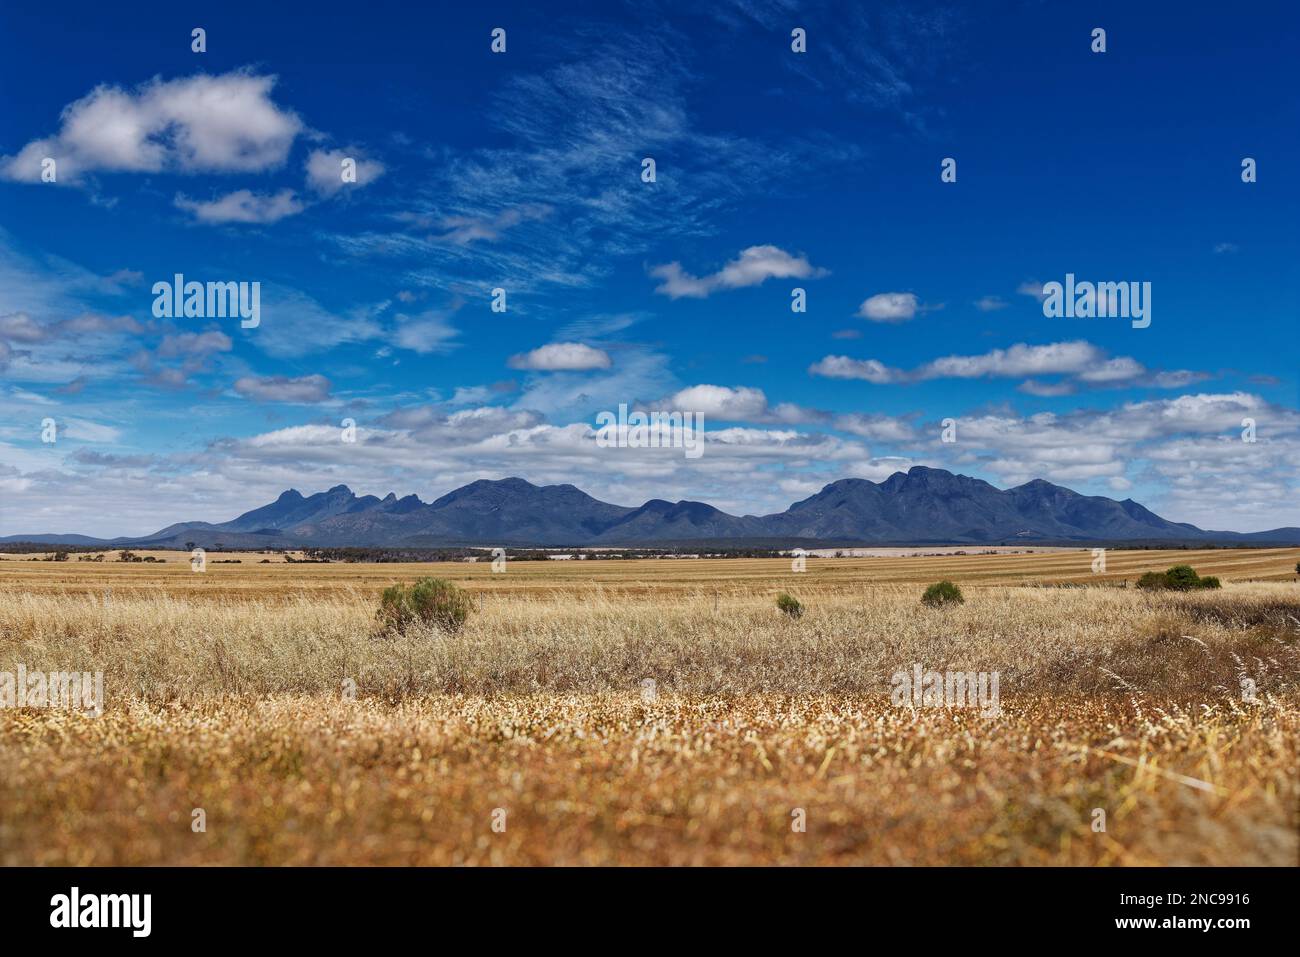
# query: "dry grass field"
259, 694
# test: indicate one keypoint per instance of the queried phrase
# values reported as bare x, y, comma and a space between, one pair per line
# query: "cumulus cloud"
193, 344
325, 170
1078, 359
198, 124
242, 206
562, 357
1018, 360
752, 267
990, 303
876, 426
843, 367
20, 328
278, 388
740, 404
1047, 390
889, 307
431, 422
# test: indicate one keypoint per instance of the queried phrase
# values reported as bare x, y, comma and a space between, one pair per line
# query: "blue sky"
522, 171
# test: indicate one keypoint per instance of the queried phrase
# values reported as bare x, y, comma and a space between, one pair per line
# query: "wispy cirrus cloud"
562, 200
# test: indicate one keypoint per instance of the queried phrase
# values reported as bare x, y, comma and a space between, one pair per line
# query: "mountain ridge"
923, 506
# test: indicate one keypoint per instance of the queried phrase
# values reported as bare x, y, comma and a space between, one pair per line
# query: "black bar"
640, 908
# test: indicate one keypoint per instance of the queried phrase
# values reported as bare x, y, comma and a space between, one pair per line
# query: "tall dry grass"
1112, 699
1043, 640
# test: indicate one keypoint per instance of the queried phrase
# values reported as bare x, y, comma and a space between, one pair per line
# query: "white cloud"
990, 303
278, 388
889, 307
720, 402
429, 332
1119, 369
84, 430
193, 344
842, 367
463, 230
877, 427
1018, 360
325, 170
740, 404
197, 124
1047, 389
1032, 287
243, 206
1079, 359
294, 324
562, 357
752, 267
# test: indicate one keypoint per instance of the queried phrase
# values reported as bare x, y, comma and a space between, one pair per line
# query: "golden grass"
606, 779
236, 700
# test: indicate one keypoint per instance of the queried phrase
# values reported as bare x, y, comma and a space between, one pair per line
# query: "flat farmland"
255, 581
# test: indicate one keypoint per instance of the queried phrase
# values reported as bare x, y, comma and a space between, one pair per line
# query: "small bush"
942, 593
1152, 581
789, 605
1178, 578
430, 601
1182, 578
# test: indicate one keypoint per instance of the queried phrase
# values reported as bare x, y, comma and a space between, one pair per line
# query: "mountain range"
922, 506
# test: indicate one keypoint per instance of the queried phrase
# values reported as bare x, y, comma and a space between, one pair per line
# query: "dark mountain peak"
921, 506
405, 504
487, 488
852, 484
923, 476
513, 482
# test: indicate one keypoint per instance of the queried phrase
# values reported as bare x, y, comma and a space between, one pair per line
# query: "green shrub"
430, 601
942, 593
790, 605
1182, 578
1152, 581
1178, 578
